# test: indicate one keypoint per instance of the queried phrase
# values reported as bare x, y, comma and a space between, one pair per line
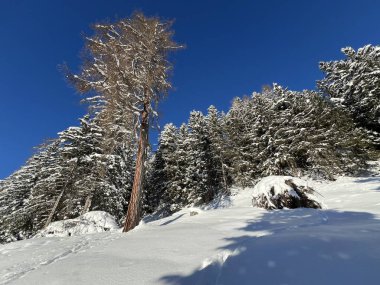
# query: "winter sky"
233, 48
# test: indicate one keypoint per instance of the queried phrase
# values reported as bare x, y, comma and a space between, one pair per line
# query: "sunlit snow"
232, 244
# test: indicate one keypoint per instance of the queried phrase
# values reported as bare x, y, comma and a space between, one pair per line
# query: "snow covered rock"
91, 222
278, 192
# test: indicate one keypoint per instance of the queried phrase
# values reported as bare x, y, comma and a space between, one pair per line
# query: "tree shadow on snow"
172, 220
301, 246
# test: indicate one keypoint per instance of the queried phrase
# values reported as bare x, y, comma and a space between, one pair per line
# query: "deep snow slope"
233, 244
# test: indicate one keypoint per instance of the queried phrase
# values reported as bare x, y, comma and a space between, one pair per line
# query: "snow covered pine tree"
67, 177
354, 84
219, 149
282, 132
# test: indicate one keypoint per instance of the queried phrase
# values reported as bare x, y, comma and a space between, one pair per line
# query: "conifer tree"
17, 216
241, 128
175, 195
67, 177
354, 84
154, 187
127, 64
219, 148
281, 132
199, 170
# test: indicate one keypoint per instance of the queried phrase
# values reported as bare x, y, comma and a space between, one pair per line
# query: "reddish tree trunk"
134, 206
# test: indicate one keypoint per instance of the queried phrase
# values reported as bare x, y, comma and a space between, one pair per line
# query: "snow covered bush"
91, 222
278, 192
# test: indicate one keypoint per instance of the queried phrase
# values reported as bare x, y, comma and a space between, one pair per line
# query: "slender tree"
127, 63
215, 124
201, 177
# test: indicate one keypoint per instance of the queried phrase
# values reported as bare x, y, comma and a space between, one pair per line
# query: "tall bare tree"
127, 64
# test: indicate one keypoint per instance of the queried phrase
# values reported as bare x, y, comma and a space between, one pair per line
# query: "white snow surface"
91, 222
234, 244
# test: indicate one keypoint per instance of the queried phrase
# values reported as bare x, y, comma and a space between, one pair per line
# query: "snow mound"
91, 222
278, 192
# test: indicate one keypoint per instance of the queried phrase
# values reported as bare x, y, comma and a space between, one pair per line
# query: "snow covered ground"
233, 244
91, 222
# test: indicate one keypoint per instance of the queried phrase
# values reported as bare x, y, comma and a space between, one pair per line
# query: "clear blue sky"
233, 48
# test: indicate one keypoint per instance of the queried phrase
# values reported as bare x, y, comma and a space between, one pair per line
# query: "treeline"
276, 132
81, 170
322, 133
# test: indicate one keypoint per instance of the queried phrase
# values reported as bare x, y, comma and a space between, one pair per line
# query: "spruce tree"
67, 177
219, 149
280, 132
241, 128
175, 195
199, 170
354, 84
18, 217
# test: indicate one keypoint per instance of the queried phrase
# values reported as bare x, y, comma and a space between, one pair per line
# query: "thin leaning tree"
126, 64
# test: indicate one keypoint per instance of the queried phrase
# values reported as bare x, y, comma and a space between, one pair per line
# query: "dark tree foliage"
188, 166
296, 133
276, 132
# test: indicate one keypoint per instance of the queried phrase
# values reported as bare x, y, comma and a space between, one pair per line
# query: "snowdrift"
278, 192
91, 222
